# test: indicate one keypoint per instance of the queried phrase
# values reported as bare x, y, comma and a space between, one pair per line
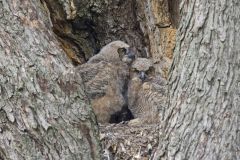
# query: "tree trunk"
44, 113
202, 121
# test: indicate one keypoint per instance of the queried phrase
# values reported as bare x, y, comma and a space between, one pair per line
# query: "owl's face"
143, 67
124, 51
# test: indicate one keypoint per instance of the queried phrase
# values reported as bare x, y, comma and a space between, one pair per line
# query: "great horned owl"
146, 93
105, 76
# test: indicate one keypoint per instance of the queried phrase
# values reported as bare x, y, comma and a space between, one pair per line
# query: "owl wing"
97, 78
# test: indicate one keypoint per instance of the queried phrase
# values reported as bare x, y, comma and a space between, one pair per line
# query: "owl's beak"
130, 54
142, 75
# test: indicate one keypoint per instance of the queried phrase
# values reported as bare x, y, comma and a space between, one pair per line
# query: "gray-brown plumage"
104, 76
113, 52
146, 96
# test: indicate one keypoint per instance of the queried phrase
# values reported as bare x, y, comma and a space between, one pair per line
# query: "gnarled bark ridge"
202, 121
44, 113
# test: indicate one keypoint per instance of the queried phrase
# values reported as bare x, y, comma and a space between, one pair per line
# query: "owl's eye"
122, 52
151, 70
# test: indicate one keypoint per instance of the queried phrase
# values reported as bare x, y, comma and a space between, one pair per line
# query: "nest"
121, 141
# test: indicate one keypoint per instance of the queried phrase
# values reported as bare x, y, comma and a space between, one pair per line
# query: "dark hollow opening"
123, 115
174, 12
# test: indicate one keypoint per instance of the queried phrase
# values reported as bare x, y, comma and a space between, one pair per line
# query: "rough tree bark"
44, 113
202, 121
